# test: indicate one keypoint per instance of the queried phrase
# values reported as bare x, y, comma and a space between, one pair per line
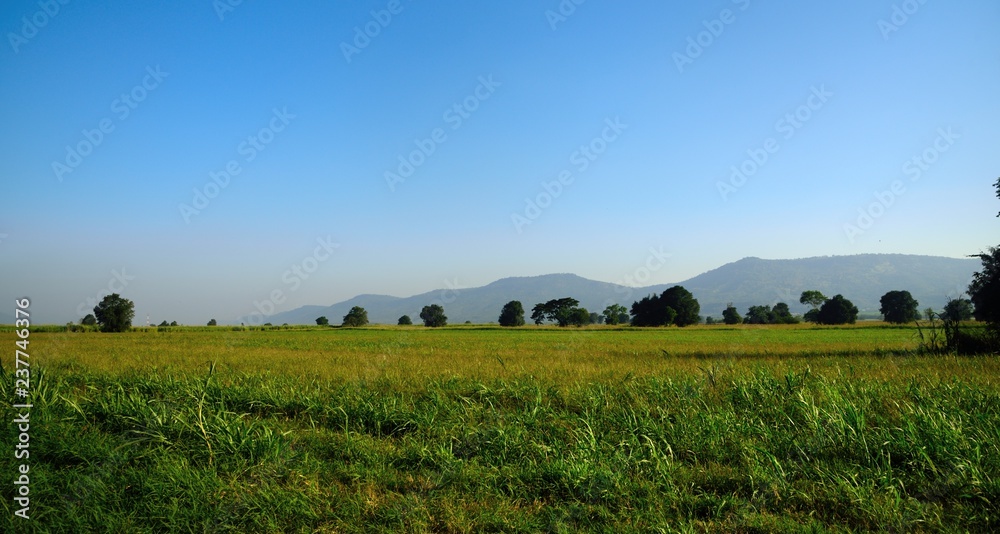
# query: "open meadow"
485, 429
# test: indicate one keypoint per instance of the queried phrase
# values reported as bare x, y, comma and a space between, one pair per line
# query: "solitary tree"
212, 322
322, 321
404, 320
899, 307
812, 298
89, 320
559, 310
957, 310
837, 310
114, 313
984, 290
357, 316
730, 315
512, 314
433, 316
613, 314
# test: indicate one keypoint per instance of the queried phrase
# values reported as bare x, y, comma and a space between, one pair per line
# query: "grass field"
481, 429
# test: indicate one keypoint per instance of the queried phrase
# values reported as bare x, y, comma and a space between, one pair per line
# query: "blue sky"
538, 137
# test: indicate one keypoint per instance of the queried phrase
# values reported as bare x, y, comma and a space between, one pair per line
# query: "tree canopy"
433, 316
899, 307
89, 320
984, 290
837, 310
730, 315
813, 298
322, 321
357, 316
404, 320
114, 313
512, 314
562, 311
613, 314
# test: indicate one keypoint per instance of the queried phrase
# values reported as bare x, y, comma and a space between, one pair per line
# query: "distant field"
472, 429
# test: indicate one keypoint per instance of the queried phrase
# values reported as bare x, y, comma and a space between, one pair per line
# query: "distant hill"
862, 278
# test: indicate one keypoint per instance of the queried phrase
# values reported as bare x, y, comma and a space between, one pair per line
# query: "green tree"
674, 306
837, 310
811, 316
173, 323
558, 310
730, 315
212, 322
89, 320
899, 307
812, 298
684, 303
433, 316
114, 313
613, 314
512, 314
759, 315
957, 310
709, 320
984, 290
357, 316
782, 315
164, 323
595, 318
322, 321
404, 321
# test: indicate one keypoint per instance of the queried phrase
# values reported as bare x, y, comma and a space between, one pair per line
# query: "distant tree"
357, 316
812, 298
578, 317
433, 316
596, 318
837, 310
782, 315
558, 310
164, 323
404, 320
730, 315
709, 320
322, 321
674, 306
212, 322
613, 314
957, 310
684, 303
89, 320
759, 315
984, 290
173, 323
899, 307
114, 313
512, 314
929, 313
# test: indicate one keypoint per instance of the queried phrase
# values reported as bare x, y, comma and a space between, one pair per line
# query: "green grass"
489, 430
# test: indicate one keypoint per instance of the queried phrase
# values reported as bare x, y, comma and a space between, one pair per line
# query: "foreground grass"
682, 441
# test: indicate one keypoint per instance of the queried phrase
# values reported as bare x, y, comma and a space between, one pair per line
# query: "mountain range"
751, 281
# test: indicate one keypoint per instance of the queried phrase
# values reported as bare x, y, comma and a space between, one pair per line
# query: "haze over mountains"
751, 281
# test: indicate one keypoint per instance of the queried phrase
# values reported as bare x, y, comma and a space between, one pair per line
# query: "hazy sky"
199, 157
